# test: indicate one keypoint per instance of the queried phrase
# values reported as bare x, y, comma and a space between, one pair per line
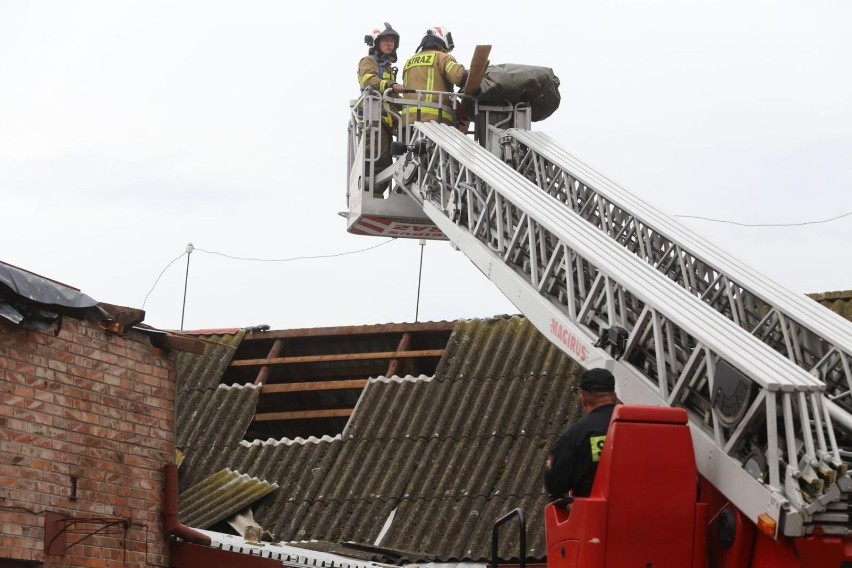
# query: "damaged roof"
36, 302
425, 465
426, 461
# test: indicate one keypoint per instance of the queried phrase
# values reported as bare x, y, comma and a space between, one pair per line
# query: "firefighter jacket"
431, 70
379, 74
573, 461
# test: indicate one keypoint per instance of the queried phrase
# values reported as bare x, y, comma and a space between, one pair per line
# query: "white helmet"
372, 39
443, 34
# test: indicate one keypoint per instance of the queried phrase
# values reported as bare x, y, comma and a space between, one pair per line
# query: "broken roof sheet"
225, 491
426, 464
429, 463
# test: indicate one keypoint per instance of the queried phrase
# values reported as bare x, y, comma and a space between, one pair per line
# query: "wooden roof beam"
303, 414
337, 357
274, 351
441, 326
394, 364
314, 386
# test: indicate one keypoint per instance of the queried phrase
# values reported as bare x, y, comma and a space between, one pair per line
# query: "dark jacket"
572, 462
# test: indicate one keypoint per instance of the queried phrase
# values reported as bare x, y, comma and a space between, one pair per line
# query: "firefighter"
432, 68
376, 70
572, 462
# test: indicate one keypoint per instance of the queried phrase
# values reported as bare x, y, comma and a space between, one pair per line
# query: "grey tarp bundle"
514, 83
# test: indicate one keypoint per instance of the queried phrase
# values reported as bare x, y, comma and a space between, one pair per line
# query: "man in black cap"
572, 462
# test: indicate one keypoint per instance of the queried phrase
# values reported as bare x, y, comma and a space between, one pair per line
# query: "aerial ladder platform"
762, 373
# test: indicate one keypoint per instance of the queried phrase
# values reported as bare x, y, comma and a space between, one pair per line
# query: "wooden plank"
314, 386
337, 357
177, 342
416, 328
303, 414
123, 318
476, 71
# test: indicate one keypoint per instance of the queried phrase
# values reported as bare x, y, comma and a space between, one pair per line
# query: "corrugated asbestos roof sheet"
449, 456
205, 371
211, 418
501, 347
429, 463
838, 302
446, 456
222, 415
222, 493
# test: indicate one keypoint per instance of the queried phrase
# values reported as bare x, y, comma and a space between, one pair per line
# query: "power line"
187, 252
174, 260
296, 257
419, 279
765, 224
334, 255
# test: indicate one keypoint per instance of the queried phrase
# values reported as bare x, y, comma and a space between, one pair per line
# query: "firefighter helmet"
443, 35
372, 39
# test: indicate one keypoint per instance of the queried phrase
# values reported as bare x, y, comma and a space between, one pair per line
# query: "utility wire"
174, 260
160, 276
296, 257
419, 279
765, 224
697, 217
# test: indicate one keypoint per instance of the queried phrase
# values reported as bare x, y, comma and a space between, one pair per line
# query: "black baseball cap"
597, 380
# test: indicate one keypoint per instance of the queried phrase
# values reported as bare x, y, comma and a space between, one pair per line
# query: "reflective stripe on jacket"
375, 73
431, 70
378, 74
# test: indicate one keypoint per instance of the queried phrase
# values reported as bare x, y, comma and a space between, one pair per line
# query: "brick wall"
86, 425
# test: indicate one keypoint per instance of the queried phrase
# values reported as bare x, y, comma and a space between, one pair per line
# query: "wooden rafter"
303, 414
337, 357
314, 386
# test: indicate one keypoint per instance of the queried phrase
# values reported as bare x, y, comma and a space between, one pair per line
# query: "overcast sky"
129, 129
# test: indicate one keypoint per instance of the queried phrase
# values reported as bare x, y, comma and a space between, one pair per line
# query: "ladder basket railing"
522, 536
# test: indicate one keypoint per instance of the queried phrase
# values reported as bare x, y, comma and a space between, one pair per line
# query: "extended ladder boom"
811, 336
762, 427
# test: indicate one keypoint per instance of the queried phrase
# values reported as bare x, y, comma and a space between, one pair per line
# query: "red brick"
73, 405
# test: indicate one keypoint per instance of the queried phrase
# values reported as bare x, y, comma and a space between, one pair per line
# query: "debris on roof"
425, 463
35, 302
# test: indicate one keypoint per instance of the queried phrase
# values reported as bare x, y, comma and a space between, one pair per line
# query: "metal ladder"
808, 334
761, 425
